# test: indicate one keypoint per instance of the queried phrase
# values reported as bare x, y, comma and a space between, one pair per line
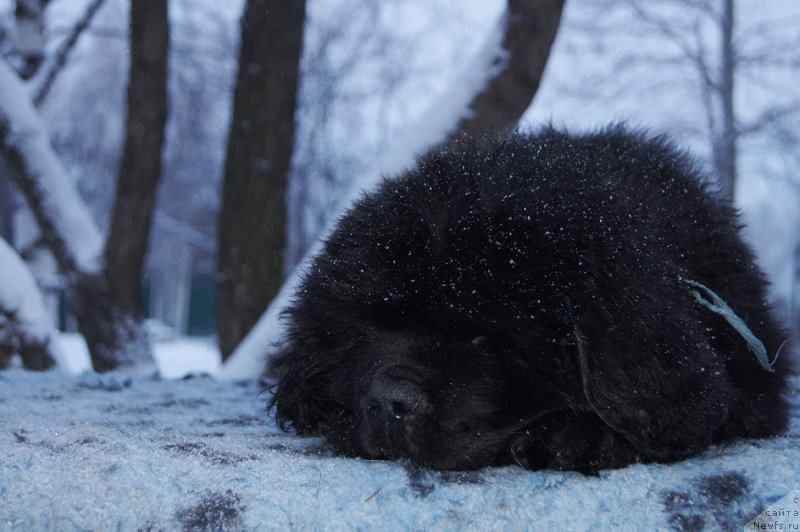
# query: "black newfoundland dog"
550, 300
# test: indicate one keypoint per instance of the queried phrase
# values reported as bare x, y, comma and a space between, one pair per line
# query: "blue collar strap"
718, 306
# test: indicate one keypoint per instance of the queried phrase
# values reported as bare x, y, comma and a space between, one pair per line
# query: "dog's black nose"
394, 399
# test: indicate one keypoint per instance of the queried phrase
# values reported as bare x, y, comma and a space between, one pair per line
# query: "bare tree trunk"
106, 305
725, 151
531, 27
114, 337
252, 219
140, 168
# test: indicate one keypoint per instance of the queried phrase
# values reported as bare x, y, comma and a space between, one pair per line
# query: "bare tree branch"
64, 220
53, 66
769, 117
707, 89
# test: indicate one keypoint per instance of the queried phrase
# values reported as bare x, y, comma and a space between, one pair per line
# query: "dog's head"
446, 401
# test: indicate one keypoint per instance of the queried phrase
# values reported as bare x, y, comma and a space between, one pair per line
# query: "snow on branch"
24, 319
528, 30
49, 190
492, 92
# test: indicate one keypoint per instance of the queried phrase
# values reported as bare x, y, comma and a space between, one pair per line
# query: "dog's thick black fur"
523, 300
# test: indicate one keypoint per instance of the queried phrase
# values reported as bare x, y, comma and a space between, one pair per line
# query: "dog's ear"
652, 392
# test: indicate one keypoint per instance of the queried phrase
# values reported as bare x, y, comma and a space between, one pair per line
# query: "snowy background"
372, 74
188, 444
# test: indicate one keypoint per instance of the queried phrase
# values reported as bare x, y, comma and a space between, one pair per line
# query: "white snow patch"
71, 353
20, 295
185, 356
174, 358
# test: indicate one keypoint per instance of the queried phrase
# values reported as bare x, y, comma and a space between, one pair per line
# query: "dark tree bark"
140, 168
252, 219
531, 27
8, 205
114, 337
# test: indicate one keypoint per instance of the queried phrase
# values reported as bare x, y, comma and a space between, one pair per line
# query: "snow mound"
118, 452
174, 357
20, 296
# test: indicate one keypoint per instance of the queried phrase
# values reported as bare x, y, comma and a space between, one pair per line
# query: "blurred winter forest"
374, 81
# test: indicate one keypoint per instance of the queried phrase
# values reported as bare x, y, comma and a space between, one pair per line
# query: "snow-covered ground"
126, 453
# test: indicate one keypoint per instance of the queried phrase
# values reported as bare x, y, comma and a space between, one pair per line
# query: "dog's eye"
480, 341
